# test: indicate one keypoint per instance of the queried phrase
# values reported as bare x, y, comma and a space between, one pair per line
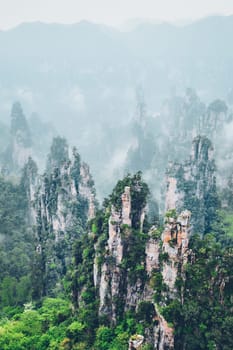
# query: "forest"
116, 187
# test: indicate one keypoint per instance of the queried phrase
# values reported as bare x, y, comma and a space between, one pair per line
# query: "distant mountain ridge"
209, 26
82, 77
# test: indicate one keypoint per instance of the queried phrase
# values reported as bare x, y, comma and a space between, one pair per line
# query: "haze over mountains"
83, 77
88, 56
116, 186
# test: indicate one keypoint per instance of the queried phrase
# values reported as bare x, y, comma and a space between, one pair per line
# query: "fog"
82, 79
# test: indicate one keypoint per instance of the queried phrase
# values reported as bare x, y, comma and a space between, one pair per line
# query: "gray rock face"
152, 255
163, 337
31, 182
114, 285
61, 202
136, 342
175, 240
20, 148
192, 184
170, 135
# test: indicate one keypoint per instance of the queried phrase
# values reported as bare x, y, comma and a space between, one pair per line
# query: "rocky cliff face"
117, 251
163, 334
115, 287
19, 149
128, 268
31, 181
61, 202
132, 267
175, 238
192, 185
167, 137
166, 256
152, 254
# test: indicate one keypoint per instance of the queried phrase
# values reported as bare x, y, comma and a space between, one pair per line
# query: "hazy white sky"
113, 12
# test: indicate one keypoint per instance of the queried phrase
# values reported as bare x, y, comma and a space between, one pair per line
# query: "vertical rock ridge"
20, 148
175, 240
63, 200
119, 289
192, 185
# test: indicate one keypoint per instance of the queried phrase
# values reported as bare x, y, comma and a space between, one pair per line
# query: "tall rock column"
20, 147
63, 202
175, 240
192, 185
121, 277
111, 273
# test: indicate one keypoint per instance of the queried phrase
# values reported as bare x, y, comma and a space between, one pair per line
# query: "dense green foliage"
139, 192
201, 313
54, 326
43, 328
16, 246
203, 318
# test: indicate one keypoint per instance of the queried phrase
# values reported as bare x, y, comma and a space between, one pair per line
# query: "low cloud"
75, 100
